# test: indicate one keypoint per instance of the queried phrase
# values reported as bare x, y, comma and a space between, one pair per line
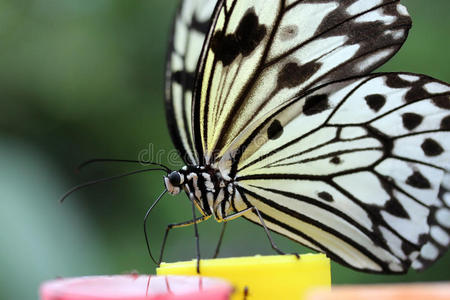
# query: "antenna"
96, 160
89, 183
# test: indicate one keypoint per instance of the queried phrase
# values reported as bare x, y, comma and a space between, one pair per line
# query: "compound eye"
175, 178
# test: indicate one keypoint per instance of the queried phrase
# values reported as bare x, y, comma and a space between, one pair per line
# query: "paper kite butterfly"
272, 106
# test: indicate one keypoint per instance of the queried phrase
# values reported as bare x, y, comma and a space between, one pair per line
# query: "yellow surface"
266, 277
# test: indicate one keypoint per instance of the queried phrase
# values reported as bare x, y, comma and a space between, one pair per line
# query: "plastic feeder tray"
136, 287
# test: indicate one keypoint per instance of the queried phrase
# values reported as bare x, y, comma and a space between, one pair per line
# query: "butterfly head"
173, 181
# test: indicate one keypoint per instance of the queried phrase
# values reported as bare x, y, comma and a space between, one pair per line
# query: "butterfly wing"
439, 220
259, 54
189, 29
354, 169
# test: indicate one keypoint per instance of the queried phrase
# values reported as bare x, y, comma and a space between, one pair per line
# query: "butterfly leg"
177, 225
219, 243
147, 214
274, 247
246, 292
256, 211
197, 239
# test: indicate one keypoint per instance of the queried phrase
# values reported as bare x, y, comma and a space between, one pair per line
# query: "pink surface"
136, 287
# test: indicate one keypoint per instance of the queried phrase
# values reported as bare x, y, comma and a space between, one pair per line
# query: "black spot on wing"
395, 208
417, 180
335, 160
442, 101
249, 32
186, 79
275, 130
423, 238
411, 120
325, 196
375, 101
293, 74
409, 248
431, 148
394, 81
200, 26
224, 47
315, 104
445, 123
290, 76
244, 40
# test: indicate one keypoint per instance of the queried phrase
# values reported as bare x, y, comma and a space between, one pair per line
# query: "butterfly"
272, 106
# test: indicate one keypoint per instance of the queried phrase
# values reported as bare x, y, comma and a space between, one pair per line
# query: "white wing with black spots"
354, 169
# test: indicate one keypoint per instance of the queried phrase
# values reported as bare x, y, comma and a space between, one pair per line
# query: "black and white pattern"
439, 234
258, 56
282, 117
191, 25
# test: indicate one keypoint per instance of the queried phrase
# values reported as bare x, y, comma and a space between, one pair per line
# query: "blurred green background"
84, 79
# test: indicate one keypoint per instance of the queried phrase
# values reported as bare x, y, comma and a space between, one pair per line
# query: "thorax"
212, 194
